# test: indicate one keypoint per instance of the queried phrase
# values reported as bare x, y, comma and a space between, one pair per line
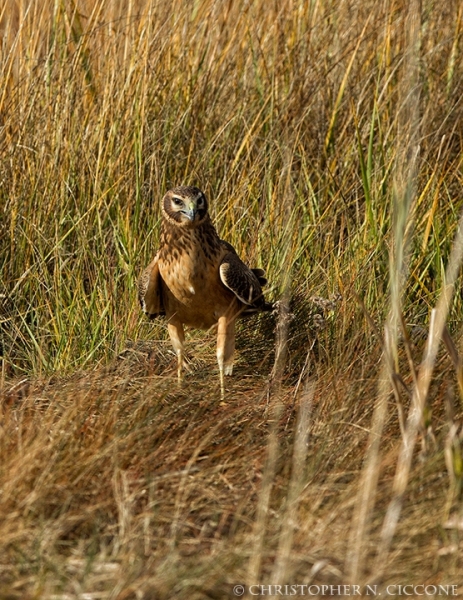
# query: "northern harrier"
197, 279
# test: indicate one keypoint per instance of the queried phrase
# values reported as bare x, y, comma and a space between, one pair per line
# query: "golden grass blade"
342, 87
404, 189
420, 393
281, 570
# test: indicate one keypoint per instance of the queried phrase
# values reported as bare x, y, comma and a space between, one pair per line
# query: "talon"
228, 369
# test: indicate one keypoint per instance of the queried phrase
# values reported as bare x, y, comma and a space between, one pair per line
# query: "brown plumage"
197, 279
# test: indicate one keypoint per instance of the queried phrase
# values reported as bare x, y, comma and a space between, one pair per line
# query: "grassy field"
327, 136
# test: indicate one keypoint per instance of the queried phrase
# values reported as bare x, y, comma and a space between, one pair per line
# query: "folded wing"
242, 281
150, 290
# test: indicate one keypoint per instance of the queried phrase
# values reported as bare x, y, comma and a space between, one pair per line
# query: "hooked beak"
191, 211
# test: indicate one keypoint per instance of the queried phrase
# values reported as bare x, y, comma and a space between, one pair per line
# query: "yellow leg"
225, 348
222, 383
177, 337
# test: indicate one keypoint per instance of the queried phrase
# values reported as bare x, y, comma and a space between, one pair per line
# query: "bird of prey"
196, 279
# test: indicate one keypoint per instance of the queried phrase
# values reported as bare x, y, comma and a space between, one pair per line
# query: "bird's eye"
177, 201
200, 202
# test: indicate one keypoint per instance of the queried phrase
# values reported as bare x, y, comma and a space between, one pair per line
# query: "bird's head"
186, 206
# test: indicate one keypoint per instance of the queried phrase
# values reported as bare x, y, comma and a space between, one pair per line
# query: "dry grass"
327, 136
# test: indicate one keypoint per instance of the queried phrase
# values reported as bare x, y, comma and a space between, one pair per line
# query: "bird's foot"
224, 370
186, 365
182, 366
222, 383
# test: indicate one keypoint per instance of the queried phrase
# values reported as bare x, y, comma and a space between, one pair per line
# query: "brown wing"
150, 291
259, 273
241, 280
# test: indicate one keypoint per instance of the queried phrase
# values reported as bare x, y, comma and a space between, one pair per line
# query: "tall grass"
104, 108
327, 136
